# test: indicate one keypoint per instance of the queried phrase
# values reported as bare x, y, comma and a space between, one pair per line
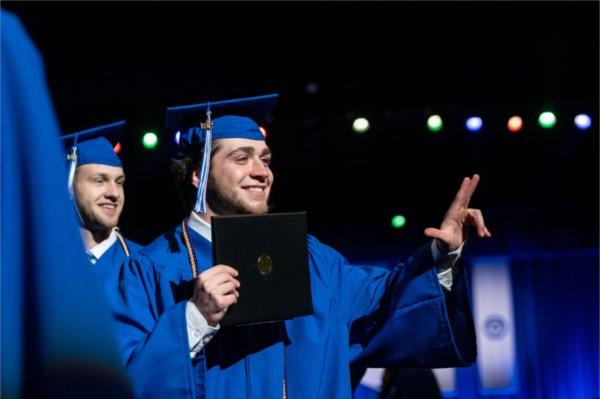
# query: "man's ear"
196, 177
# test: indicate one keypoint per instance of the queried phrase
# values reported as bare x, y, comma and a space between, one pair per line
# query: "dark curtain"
556, 315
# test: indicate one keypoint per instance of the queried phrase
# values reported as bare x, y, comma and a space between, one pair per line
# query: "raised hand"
214, 291
453, 230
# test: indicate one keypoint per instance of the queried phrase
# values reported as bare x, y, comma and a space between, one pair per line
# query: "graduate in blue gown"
96, 187
169, 298
56, 338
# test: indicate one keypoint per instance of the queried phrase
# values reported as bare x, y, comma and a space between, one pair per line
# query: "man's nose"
112, 191
259, 169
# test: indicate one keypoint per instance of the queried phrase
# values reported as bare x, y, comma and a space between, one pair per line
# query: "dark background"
393, 62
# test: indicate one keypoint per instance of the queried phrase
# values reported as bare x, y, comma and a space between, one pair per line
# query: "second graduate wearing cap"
363, 317
95, 184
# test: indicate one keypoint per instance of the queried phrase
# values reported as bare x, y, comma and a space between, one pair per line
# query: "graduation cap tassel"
201, 197
200, 206
72, 157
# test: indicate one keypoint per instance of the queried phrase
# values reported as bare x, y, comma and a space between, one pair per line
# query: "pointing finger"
462, 192
466, 190
471, 188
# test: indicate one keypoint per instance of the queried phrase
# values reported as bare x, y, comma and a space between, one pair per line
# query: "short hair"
183, 165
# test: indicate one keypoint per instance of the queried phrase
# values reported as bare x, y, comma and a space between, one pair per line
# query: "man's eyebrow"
266, 151
250, 151
105, 176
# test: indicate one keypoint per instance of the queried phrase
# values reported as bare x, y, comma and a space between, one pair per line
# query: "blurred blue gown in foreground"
56, 337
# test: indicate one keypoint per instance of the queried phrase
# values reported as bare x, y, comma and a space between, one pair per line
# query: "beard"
225, 201
93, 222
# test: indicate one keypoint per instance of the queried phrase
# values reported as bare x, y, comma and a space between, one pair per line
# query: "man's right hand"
215, 290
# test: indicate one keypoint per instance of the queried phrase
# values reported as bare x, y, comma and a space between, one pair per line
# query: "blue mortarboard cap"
94, 145
224, 124
236, 118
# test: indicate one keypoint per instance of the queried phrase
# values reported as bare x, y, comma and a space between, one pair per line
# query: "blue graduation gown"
363, 317
112, 258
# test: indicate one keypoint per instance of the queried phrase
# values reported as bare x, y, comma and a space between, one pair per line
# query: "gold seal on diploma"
265, 265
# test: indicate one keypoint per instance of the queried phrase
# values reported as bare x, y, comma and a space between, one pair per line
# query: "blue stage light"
583, 121
474, 124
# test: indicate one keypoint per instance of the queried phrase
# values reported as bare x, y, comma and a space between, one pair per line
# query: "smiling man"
169, 298
96, 186
243, 186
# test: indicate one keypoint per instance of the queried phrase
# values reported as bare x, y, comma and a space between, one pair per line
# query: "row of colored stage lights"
474, 124
435, 123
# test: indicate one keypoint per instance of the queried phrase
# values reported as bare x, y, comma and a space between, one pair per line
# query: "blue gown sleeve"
400, 317
151, 330
133, 246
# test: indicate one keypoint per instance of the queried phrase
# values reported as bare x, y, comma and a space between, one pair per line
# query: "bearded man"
96, 187
170, 297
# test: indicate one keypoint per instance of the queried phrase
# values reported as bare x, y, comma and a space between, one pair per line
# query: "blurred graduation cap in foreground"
202, 123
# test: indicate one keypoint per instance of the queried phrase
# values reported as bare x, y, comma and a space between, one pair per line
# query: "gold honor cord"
122, 241
190, 250
192, 258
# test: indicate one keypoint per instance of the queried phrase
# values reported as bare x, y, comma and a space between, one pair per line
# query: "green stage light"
434, 123
150, 140
398, 221
547, 119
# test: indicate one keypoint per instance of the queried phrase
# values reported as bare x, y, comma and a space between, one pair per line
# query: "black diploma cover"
270, 253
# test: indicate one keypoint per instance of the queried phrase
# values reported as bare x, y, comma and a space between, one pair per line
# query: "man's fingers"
472, 186
486, 232
476, 218
224, 289
212, 288
434, 233
462, 191
216, 280
465, 192
210, 272
225, 301
216, 290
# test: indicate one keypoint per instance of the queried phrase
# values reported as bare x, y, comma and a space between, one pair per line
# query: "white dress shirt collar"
99, 249
199, 226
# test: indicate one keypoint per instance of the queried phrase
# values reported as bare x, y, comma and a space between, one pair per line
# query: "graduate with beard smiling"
169, 298
96, 187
